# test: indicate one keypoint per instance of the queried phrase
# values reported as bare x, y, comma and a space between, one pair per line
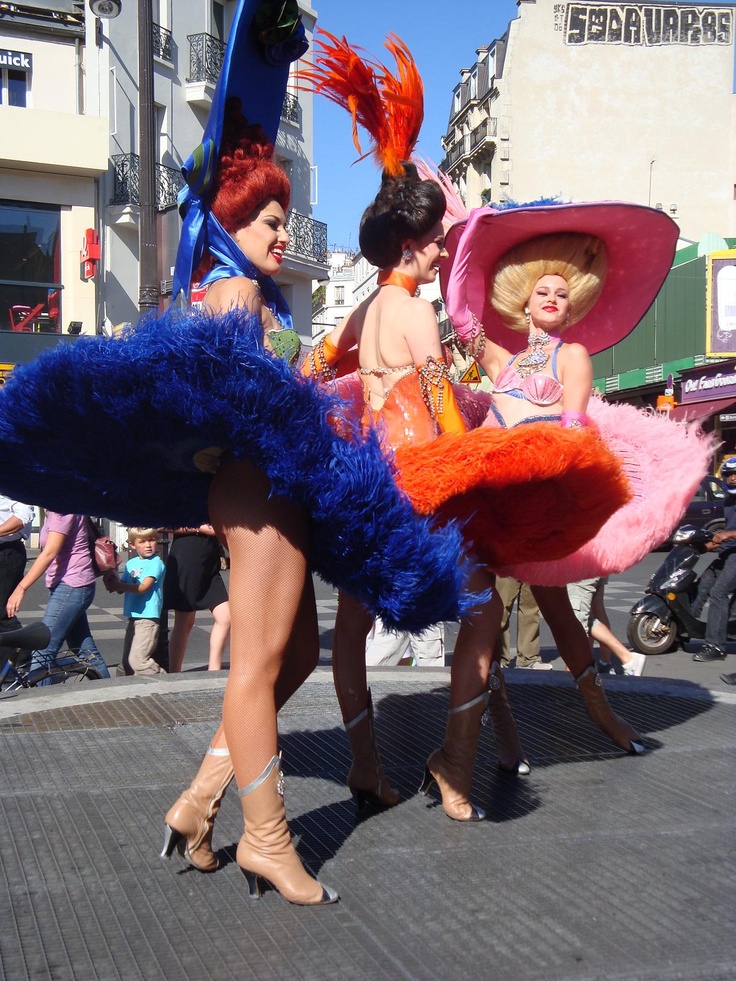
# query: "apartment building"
70, 175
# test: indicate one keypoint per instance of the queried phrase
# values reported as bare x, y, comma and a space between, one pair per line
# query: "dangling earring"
528, 316
407, 255
567, 319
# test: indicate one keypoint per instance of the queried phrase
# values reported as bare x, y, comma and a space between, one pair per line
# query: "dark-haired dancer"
407, 396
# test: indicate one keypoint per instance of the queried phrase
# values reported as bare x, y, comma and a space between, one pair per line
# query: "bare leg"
267, 541
179, 638
219, 635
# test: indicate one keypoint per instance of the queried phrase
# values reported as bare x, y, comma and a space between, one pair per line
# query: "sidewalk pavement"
597, 866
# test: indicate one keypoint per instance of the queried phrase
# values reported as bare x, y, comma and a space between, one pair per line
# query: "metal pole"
148, 296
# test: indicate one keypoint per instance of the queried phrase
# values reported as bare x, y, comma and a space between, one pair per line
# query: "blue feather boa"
110, 427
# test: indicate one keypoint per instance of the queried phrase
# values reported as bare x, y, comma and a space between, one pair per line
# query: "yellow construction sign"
471, 376
5, 370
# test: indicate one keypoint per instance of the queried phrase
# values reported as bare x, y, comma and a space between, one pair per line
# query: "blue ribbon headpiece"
266, 36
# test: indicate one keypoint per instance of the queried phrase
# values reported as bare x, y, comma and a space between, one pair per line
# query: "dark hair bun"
404, 208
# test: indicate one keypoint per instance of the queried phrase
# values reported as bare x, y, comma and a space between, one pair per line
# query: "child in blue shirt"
142, 586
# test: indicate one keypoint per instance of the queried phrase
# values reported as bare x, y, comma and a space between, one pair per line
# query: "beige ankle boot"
510, 755
266, 851
451, 766
366, 779
617, 729
190, 822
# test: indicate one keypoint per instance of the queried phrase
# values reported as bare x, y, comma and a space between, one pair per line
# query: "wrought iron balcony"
290, 109
162, 43
308, 237
126, 186
206, 54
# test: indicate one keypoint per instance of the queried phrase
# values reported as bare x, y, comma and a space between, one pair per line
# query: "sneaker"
634, 668
709, 652
605, 667
730, 679
535, 666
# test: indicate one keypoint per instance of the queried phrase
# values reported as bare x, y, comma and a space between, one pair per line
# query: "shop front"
708, 396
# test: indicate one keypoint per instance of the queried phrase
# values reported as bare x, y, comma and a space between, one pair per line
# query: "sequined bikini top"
538, 389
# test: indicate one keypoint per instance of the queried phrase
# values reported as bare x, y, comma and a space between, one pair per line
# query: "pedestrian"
66, 560
528, 643
194, 582
141, 586
15, 530
389, 647
588, 604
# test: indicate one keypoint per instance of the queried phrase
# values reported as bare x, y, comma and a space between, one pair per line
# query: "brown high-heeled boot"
509, 753
366, 780
618, 729
190, 821
266, 851
451, 766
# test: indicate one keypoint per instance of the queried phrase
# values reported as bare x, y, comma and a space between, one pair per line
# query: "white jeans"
385, 648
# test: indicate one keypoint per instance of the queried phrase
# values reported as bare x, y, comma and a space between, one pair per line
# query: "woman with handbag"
66, 559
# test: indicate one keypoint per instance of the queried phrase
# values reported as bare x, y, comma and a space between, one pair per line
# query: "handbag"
104, 550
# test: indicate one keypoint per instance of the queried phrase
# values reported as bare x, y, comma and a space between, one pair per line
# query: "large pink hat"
640, 244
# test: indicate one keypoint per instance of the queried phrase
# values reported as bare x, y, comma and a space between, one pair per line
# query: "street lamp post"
148, 296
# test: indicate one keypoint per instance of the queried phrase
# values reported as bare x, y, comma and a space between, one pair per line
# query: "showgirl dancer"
398, 350
211, 381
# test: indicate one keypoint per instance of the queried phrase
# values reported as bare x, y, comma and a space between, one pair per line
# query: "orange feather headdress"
390, 107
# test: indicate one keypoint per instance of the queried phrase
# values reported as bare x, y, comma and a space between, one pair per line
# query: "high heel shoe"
451, 766
190, 821
366, 780
597, 706
509, 753
266, 852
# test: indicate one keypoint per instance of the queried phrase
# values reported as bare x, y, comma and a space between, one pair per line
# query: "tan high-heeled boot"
451, 766
266, 851
190, 821
510, 755
366, 779
618, 729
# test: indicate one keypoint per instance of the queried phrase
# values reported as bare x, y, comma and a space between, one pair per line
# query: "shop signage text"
20, 61
716, 385
644, 24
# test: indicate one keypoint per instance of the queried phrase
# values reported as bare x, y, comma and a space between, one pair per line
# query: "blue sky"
443, 36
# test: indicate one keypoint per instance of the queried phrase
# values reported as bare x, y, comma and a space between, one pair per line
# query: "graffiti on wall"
643, 24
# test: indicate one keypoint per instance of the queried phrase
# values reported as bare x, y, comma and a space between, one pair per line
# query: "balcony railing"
290, 109
162, 44
308, 237
126, 186
206, 54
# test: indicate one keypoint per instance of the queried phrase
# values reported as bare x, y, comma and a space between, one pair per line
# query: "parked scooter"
663, 618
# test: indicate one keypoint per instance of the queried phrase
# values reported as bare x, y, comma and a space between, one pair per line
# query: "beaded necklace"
537, 358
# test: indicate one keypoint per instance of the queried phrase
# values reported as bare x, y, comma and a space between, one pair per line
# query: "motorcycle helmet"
728, 474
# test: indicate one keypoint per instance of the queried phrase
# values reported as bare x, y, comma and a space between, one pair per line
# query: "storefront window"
30, 267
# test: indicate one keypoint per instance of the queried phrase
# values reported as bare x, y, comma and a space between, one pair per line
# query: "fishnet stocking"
476, 642
274, 642
352, 623
571, 638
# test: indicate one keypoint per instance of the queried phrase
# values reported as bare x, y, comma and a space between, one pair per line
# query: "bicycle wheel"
72, 669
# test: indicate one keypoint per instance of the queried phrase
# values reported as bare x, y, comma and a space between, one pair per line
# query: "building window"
30, 267
340, 296
14, 87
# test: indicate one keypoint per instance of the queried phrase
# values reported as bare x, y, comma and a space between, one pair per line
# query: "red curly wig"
246, 174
